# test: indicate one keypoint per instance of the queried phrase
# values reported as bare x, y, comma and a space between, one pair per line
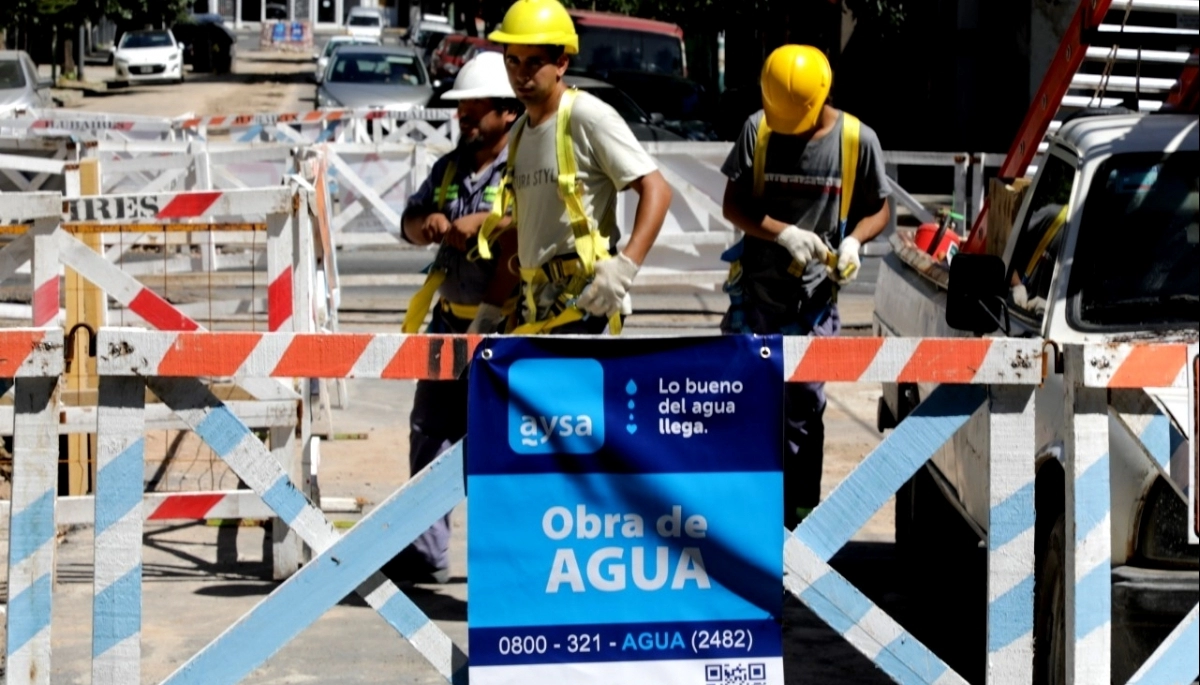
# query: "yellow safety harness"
851, 135
590, 245
1051, 231
418, 306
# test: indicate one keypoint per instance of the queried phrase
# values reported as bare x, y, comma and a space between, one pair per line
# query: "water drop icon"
631, 405
631, 387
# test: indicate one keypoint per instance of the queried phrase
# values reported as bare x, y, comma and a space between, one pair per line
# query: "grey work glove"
487, 320
604, 295
803, 245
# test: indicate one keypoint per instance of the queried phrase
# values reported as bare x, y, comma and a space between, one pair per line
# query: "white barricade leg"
287, 549
248, 457
280, 251
202, 168
71, 180
302, 269
341, 568
32, 530
44, 271
1011, 535
117, 600
1088, 530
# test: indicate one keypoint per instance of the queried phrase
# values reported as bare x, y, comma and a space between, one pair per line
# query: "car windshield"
1137, 265
380, 68
158, 39
364, 20
608, 48
11, 76
619, 101
333, 45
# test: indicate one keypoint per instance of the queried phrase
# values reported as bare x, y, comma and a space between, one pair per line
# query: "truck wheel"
1050, 610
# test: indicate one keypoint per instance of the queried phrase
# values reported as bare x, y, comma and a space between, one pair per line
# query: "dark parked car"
644, 126
207, 46
684, 105
449, 56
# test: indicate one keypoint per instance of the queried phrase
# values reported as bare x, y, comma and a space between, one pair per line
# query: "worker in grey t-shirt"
802, 240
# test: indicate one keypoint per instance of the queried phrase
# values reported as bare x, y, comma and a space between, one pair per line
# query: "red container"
948, 245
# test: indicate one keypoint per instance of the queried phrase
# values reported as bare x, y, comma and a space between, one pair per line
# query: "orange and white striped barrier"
910, 360
1137, 365
31, 352
136, 352
376, 124
86, 125
370, 355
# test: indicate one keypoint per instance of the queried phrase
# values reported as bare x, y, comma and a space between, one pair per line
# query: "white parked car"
20, 85
149, 56
365, 22
334, 43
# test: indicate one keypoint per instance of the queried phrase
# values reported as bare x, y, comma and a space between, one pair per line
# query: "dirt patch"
260, 83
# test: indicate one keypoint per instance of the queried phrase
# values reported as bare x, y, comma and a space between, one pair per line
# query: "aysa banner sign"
625, 501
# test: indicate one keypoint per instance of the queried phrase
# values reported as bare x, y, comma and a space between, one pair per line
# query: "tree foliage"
70, 13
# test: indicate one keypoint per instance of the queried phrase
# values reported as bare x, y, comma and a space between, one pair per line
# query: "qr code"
735, 674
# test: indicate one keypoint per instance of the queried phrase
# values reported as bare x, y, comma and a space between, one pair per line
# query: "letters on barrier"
611, 536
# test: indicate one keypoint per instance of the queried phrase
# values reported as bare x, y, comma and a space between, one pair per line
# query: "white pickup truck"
1104, 247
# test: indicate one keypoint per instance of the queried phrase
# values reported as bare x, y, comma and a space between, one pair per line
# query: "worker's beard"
470, 142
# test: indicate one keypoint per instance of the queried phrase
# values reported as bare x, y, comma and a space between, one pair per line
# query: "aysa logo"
556, 406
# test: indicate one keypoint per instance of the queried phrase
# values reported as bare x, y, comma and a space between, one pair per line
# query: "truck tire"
1050, 612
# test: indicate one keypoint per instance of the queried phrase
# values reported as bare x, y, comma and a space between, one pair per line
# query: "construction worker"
449, 208
806, 184
569, 157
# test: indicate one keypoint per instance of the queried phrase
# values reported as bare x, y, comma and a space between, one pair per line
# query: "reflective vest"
420, 303
590, 245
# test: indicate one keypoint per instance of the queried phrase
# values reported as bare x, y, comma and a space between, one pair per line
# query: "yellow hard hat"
537, 22
795, 83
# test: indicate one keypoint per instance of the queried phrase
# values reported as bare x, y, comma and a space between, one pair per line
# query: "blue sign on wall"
625, 501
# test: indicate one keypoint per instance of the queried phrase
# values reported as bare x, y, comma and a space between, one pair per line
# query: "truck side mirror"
975, 300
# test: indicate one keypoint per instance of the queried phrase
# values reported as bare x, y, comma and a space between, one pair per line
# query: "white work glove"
803, 244
487, 319
605, 294
848, 261
1020, 297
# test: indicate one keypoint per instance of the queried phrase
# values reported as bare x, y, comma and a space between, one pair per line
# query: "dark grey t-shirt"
803, 186
469, 193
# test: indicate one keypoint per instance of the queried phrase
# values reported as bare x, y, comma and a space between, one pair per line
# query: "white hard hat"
483, 77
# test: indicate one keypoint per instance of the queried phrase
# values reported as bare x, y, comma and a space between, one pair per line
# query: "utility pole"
82, 52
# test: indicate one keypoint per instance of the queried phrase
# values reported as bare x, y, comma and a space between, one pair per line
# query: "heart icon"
631, 427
